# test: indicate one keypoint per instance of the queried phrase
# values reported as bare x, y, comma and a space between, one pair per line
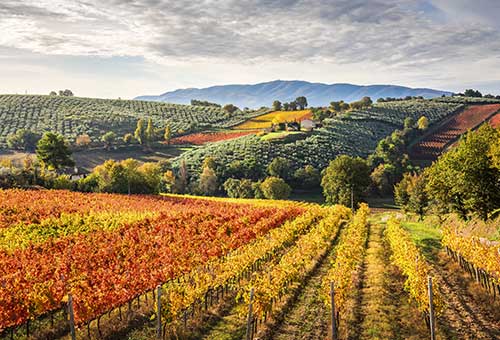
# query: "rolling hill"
263, 94
74, 116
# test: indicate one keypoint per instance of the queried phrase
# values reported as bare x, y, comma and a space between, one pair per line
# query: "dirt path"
307, 319
465, 316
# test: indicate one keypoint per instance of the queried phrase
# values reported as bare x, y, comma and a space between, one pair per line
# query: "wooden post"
159, 334
250, 317
71, 317
432, 320
333, 317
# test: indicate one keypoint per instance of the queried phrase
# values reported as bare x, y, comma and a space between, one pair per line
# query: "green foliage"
409, 123
167, 136
410, 193
344, 174
109, 138
473, 93
307, 177
23, 140
205, 103
277, 105
149, 134
230, 108
383, 178
63, 182
275, 188
236, 188
74, 116
52, 151
280, 167
124, 177
301, 102
465, 179
139, 132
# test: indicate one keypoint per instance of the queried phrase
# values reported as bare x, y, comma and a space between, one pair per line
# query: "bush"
275, 188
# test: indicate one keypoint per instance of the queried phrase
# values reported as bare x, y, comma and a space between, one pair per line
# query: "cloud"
395, 34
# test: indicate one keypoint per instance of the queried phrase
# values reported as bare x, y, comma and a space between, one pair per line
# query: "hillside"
355, 133
73, 116
263, 94
442, 136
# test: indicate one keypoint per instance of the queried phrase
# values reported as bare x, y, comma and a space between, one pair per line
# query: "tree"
409, 123
292, 106
167, 136
280, 167
286, 106
127, 138
411, 195
307, 177
301, 102
277, 105
342, 175
230, 108
473, 93
423, 123
66, 93
465, 179
275, 188
83, 140
239, 188
53, 93
53, 152
108, 138
150, 132
208, 181
23, 140
383, 178
139, 131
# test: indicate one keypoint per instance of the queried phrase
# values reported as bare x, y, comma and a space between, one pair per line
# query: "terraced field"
435, 143
267, 120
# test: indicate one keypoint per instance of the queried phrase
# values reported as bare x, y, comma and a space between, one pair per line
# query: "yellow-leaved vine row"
407, 257
348, 257
270, 285
482, 254
179, 298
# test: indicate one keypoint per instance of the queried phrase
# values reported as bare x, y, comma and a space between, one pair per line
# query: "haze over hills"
263, 94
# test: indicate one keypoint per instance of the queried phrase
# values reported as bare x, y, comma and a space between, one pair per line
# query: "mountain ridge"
263, 94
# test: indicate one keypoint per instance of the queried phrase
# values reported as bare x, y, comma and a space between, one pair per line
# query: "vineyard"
73, 116
435, 143
97, 262
75, 244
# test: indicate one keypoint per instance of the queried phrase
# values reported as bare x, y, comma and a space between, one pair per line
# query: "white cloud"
401, 37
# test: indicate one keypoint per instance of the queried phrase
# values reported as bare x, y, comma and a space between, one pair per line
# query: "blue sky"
126, 48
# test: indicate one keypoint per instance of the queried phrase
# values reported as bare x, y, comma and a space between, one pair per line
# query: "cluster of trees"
196, 102
62, 93
476, 94
465, 180
349, 178
23, 139
300, 103
340, 107
247, 179
392, 99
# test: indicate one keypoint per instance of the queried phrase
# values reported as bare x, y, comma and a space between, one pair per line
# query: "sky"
127, 48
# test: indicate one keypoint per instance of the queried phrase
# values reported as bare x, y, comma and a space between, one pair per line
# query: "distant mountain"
263, 94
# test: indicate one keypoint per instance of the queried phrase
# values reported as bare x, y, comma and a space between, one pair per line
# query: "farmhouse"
307, 124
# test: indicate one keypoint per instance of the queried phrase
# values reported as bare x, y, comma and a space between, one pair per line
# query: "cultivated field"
209, 137
434, 144
128, 266
267, 120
